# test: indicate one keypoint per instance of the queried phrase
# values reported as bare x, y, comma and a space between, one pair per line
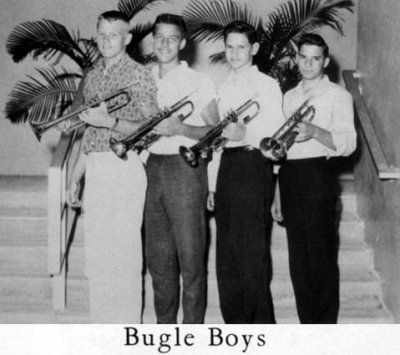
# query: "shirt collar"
182, 66
242, 74
322, 83
121, 63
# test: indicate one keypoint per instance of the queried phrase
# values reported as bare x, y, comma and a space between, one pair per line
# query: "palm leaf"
91, 50
206, 20
132, 7
138, 33
294, 18
45, 38
37, 101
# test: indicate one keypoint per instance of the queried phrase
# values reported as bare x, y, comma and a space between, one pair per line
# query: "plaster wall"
378, 63
20, 153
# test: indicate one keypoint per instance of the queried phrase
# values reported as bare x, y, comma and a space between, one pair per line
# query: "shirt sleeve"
342, 129
271, 113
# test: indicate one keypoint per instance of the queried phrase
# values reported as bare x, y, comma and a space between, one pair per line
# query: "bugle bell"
213, 140
40, 128
142, 138
275, 148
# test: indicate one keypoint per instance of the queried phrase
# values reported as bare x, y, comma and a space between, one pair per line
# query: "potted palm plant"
42, 99
278, 30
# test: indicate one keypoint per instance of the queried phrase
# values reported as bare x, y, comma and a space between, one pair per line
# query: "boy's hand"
72, 195
276, 211
234, 131
98, 116
306, 131
171, 126
210, 201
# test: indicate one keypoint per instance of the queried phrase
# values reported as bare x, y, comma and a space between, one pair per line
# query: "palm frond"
138, 32
91, 50
296, 17
45, 38
38, 101
218, 58
206, 20
132, 7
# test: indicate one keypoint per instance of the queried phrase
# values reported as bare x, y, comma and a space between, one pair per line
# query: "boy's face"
167, 42
311, 61
238, 50
112, 38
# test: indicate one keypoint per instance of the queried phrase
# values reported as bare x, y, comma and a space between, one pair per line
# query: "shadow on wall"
333, 70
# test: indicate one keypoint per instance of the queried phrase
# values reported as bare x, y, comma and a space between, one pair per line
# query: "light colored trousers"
113, 204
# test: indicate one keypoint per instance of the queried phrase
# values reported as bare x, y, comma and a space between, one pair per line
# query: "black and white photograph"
199, 177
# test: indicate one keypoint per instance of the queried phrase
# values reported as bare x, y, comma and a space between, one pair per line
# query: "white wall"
20, 153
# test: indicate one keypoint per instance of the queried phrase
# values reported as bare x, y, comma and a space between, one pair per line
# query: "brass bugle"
40, 128
275, 148
213, 140
143, 137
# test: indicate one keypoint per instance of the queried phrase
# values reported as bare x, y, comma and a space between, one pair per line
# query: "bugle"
276, 147
40, 128
213, 140
143, 137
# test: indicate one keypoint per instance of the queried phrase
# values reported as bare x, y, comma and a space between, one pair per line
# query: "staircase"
25, 285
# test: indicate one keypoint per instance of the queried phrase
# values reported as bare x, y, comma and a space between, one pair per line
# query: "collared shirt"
333, 112
100, 83
237, 89
252, 84
175, 85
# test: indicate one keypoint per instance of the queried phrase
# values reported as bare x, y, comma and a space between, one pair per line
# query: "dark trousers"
242, 203
309, 191
175, 236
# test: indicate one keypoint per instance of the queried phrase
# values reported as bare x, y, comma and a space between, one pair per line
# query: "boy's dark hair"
316, 40
171, 19
241, 27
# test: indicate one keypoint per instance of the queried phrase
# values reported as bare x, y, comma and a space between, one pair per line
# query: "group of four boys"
173, 196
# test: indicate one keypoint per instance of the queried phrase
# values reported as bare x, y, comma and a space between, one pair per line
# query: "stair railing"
384, 169
62, 219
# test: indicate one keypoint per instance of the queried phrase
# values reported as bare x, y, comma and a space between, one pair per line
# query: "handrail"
385, 170
61, 218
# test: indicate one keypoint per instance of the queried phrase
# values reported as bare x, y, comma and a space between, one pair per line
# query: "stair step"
25, 293
351, 235
23, 191
23, 230
32, 260
353, 264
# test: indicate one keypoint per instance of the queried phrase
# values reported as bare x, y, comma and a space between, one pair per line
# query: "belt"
243, 148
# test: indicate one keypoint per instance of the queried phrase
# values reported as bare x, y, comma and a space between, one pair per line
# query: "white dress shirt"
236, 90
247, 84
333, 112
175, 85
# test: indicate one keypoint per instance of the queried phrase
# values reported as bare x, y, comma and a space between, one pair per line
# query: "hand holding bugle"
213, 139
40, 128
276, 147
143, 137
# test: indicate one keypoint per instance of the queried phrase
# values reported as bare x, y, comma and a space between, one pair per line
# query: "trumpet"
213, 139
40, 128
142, 138
276, 147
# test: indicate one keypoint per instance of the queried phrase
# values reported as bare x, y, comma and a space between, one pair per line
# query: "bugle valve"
143, 137
124, 99
213, 140
275, 148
